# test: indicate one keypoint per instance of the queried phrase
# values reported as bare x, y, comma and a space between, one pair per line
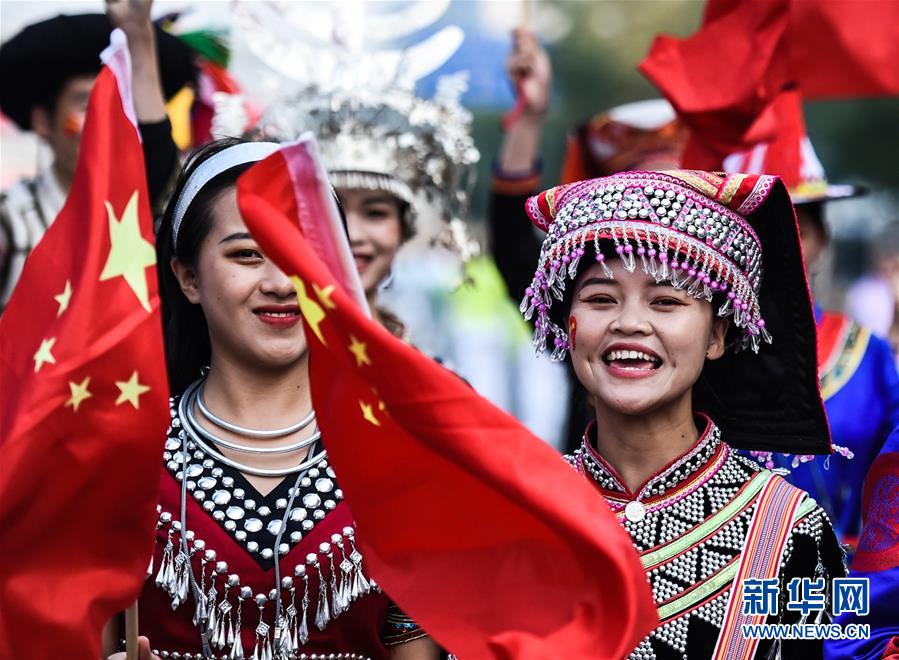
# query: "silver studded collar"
249, 517
676, 474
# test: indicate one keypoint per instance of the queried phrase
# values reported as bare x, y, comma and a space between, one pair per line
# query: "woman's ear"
187, 279
716, 338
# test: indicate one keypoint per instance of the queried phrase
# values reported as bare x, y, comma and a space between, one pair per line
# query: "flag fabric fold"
724, 79
475, 527
83, 398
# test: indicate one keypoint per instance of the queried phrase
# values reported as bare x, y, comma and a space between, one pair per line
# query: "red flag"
84, 403
724, 79
474, 526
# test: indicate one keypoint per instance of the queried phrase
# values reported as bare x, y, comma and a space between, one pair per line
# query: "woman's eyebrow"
238, 236
597, 280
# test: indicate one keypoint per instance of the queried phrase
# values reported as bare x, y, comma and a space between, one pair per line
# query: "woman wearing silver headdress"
256, 551
651, 283
402, 167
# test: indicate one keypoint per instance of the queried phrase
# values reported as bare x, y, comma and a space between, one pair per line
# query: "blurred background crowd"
594, 49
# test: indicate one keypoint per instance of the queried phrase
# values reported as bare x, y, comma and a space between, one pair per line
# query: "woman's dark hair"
187, 347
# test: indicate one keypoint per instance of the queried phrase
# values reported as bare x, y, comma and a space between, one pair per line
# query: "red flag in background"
84, 403
724, 80
474, 526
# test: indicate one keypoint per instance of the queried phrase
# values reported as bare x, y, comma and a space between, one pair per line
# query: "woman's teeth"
612, 356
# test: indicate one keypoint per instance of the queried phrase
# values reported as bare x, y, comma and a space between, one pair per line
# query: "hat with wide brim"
644, 135
731, 239
791, 156
36, 63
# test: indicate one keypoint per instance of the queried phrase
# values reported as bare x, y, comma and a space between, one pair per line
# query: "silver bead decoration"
207, 483
234, 512
324, 485
274, 527
208, 505
311, 500
267, 553
252, 525
221, 497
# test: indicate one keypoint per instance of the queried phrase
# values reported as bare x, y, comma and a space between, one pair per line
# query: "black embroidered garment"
329, 606
689, 523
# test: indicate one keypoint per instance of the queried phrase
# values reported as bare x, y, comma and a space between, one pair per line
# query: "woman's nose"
276, 282
631, 319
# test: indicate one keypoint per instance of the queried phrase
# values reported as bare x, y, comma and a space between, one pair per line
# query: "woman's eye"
246, 254
599, 299
667, 302
377, 213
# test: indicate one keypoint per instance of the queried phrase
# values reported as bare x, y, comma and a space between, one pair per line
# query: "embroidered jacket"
860, 389
330, 607
690, 522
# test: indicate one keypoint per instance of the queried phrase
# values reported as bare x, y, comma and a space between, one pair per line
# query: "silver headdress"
357, 97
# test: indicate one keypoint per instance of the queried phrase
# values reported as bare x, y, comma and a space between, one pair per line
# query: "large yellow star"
79, 393
64, 298
311, 310
369, 414
131, 253
130, 390
358, 349
43, 354
324, 295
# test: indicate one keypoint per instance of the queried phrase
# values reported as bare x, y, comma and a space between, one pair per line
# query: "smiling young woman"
255, 547
651, 283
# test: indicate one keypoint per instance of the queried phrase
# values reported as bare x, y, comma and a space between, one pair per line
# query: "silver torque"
242, 430
189, 424
246, 449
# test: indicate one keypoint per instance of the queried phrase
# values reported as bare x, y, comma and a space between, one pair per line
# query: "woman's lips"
279, 319
362, 262
631, 362
618, 370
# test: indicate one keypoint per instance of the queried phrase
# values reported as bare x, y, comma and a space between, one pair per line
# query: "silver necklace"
194, 396
242, 430
189, 424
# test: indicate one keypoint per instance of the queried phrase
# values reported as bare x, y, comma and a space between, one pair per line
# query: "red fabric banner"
475, 527
84, 403
724, 80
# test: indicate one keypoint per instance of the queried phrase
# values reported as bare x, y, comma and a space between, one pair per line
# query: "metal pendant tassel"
164, 576
322, 614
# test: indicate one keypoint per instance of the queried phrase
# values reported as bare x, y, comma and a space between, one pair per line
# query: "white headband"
239, 154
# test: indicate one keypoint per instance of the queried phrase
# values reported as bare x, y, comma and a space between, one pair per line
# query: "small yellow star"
79, 393
358, 349
130, 254
64, 298
44, 355
324, 295
131, 389
311, 310
369, 414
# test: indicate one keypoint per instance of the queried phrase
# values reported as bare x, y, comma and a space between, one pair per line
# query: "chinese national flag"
84, 402
724, 79
475, 527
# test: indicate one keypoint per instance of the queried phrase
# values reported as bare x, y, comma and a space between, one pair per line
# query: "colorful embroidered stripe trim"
702, 591
760, 559
710, 525
849, 357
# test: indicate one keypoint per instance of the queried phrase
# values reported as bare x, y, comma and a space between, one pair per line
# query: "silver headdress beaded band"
239, 154
660, 220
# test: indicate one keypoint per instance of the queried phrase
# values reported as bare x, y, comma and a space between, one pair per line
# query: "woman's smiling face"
637, 345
